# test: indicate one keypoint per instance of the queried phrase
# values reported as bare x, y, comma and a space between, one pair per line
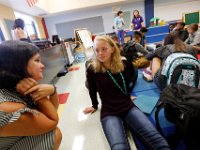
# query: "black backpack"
181, 105
129, 51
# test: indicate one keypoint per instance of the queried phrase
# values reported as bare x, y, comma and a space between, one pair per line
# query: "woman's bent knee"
120, 146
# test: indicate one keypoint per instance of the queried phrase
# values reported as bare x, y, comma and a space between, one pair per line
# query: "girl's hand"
89, 110
25, 84
133, 98
40, 91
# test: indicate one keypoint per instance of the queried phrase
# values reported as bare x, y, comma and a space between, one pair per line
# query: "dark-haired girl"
28, 110
172, 43
18, 32
137, 21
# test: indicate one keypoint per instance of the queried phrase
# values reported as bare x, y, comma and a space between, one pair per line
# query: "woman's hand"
89, 110
40, 91
25, 84
133, 98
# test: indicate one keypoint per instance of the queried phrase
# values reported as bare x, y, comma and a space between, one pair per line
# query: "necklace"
115, 82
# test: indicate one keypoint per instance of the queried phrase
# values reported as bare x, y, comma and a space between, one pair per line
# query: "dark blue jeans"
138, 124
120, 36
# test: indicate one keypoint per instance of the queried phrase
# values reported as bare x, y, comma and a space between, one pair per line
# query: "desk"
55, 60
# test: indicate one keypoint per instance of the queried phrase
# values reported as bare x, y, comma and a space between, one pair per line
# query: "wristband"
54, 92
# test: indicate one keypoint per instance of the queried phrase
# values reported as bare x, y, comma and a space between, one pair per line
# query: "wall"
173, 9
38, 21
5, 13
106, 13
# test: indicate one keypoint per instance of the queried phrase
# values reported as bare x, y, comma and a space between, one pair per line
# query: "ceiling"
51, 7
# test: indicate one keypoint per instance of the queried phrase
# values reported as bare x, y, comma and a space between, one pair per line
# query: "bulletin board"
83, 36
193, 17
93, 24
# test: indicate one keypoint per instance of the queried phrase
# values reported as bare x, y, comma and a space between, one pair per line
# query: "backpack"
181, 68
129, 51
181, 105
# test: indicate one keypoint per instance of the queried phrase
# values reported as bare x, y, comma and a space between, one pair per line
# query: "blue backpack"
182, 68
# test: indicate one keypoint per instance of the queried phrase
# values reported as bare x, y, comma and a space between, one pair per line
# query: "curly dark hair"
19, 23
14, 57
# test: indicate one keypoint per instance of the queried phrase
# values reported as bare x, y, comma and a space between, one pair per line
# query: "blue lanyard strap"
115, 82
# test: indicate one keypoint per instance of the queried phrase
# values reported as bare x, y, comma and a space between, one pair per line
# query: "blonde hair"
116, 65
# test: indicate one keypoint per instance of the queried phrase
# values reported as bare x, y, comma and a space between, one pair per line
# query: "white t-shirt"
18, 34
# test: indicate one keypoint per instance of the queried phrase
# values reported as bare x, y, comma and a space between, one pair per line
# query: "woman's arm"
141, 49
38, 91
196, 48
142, 21
131, 75
30, 124
41, 91
90, 76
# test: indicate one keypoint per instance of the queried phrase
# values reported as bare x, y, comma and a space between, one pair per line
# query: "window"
30, 25
1, 36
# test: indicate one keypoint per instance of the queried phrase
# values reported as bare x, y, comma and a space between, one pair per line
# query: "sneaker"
147, 75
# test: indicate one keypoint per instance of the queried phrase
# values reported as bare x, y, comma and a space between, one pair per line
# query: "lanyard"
115, 82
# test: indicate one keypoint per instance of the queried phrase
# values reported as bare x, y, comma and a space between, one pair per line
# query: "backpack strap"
173, 139
159, 107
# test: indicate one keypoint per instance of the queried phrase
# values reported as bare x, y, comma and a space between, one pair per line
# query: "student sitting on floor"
174, 44
194, 36
137, 38
114, 79
28, 110
180, 28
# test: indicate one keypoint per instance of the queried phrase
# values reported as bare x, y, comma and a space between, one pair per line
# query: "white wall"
169, 10
106, 13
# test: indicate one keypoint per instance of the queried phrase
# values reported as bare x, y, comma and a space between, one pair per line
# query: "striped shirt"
39, 142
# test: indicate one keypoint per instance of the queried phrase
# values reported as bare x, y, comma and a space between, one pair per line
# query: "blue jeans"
138, 124
120, 35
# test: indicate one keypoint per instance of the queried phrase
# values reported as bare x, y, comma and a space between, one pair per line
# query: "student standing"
18, 32
119, 23
137, 21
114, 79
183, 34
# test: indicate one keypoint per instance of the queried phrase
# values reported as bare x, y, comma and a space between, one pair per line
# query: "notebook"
146, 103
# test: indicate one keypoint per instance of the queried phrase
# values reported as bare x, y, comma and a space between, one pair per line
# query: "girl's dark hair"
119, 12
144, 30
137, 34
173, 38
14, 57
19, 23
134, 12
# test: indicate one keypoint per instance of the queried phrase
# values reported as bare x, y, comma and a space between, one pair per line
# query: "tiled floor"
80, 131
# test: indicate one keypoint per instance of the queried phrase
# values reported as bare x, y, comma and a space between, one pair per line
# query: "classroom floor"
80, 131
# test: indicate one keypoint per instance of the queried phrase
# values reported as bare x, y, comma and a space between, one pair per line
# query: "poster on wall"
85, 37
69, 53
